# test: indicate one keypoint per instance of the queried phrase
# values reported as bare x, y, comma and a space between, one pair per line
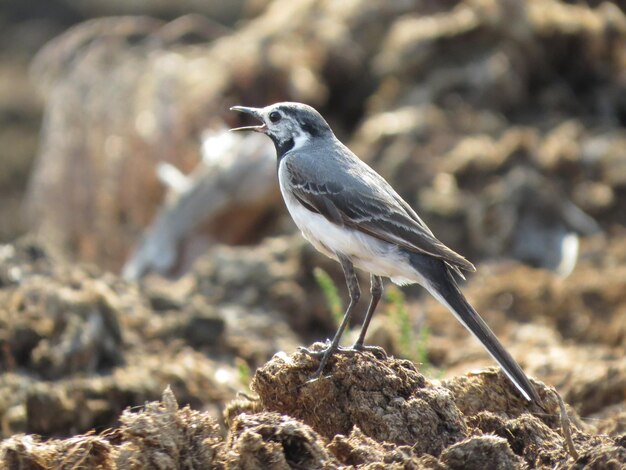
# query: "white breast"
365, 252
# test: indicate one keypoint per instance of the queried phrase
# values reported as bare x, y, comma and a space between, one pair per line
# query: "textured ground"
81, 349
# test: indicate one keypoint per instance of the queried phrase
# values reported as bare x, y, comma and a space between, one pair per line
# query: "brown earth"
82, 349
368, 413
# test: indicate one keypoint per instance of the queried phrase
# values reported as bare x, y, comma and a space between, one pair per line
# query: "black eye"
275, 116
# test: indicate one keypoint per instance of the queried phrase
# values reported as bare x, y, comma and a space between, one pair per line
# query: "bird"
350, 213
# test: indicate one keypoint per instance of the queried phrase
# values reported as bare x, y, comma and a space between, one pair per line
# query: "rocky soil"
501, 122
83, 351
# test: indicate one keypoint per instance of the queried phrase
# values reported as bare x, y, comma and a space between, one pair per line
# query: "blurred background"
143, 245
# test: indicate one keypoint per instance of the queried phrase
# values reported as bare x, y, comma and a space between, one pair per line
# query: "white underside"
366, 252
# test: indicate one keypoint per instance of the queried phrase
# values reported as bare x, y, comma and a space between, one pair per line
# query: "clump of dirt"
360, 450
527, 435
490, 390
274, 441
480, 452
387, 399
29, 452
377, 400
275, 276
164, 436
159, 436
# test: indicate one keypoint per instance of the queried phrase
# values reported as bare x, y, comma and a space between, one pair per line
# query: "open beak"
253, 112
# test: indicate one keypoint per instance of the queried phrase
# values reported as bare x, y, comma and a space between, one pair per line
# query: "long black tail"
441, 284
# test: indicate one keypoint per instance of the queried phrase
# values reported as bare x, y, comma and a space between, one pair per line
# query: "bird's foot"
320, 353
377, 351
325, 354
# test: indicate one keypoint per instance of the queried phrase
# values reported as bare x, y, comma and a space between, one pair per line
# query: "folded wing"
371, 206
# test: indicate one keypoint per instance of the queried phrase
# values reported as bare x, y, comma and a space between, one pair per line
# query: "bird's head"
289, 125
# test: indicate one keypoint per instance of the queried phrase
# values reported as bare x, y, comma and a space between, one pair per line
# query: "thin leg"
377, 293
355, 295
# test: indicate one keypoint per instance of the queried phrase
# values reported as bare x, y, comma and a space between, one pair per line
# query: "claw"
339, 349
375, 350
326, 353
317, 354
311, 353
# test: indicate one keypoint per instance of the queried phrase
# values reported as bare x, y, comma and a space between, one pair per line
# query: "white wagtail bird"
351, 214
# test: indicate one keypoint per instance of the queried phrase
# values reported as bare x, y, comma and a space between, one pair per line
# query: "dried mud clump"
274, 275
30, 453
490, 390
364, 452
603, 457
387, 399
56, 321
381, 411
526, 435
159, 436
479, 452
273, 441
164, 436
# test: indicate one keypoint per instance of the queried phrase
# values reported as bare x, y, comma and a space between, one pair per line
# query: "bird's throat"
283, 146
293, 142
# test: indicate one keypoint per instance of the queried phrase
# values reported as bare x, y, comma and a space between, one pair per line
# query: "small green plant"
410, 347
331, 294
421, 350
399, 316
244, 372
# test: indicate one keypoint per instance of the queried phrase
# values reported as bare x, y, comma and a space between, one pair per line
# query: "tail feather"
441, 284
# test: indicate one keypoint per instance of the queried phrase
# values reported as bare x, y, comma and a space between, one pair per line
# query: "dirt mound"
388, 400
60, 320
367, 410
385, 413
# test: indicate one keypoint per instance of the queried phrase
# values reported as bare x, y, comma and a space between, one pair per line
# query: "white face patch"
286, 133
299, 139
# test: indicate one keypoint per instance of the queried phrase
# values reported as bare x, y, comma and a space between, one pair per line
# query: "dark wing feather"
387, 218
